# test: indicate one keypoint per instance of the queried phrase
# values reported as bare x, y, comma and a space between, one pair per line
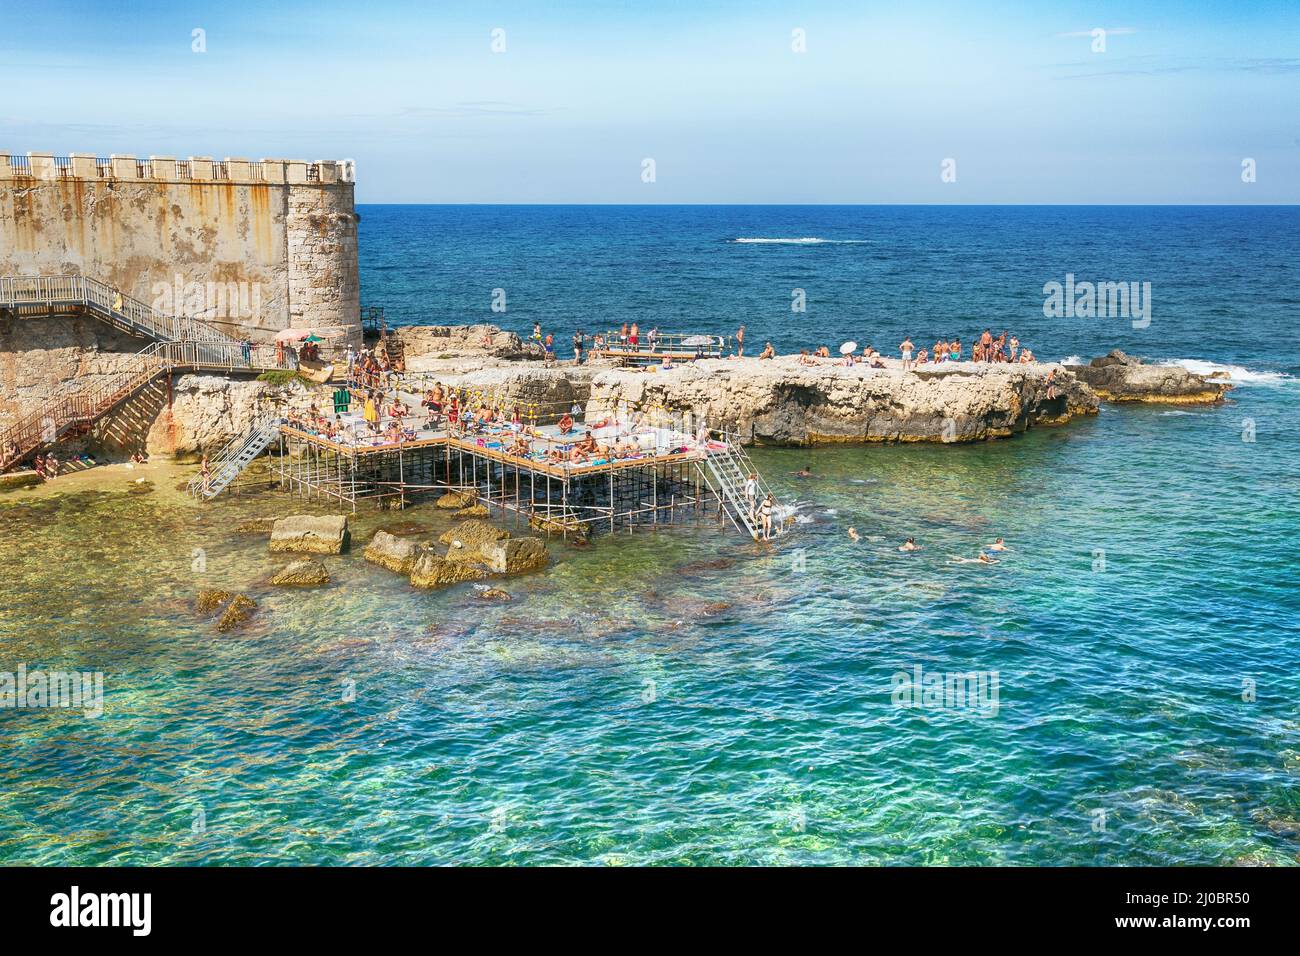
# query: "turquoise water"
690, 697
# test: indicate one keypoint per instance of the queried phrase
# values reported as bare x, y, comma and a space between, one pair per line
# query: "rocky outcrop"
432, 571
310, 534
1119, 377
208, 410
391, 552
305, 573
19, 479
514, 555
421, 342
781, 402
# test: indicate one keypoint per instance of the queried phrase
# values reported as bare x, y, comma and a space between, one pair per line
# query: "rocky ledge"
781, 402
1119, 377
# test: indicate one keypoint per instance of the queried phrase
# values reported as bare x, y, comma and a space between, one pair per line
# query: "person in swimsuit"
906, 349
998, 545
566, 423
982, 559
765, 515
740, 342
854, 536
633, 335
206, 471
909, 545
805, 472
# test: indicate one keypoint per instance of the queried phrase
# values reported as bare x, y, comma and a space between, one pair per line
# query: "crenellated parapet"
169, 169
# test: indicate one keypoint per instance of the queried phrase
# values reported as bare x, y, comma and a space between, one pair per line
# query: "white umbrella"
848, 347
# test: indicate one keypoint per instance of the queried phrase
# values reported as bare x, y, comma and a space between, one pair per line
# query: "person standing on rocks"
740, 342
906, 350
577, 347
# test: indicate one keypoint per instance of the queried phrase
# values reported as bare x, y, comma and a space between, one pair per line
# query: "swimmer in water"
806, 472
998, 545
853, 534
909, 545
982, 559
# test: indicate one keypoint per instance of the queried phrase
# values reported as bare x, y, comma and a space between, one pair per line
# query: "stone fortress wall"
253, 247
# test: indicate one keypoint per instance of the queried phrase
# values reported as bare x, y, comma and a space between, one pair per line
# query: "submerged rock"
406, 529
306, 573
309, 534
210, 599
254, 526
473, 511
455, 500
515, 555
432, 571
237, 613
494, 594
1119, 377
391, 552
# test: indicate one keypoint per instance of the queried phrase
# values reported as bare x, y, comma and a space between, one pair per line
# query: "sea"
1120, 688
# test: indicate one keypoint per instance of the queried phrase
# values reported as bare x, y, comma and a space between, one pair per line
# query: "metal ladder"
234, 458
726, 471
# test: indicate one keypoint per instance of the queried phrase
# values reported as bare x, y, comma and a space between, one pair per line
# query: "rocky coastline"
781, 401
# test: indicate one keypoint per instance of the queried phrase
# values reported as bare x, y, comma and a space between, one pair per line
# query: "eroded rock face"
780, 402
391, 552
310, 534
439, 341
207, 411
306, 573
1119, 377
432, 571
514, 555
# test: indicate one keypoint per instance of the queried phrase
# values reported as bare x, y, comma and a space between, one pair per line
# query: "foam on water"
1237, 374
801, 241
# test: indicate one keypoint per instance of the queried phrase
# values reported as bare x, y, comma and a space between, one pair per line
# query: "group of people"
370, 368
986, 348
985, 555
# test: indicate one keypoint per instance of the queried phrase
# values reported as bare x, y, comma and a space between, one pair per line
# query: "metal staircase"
725, 471
78, 410
230, 462
180, 343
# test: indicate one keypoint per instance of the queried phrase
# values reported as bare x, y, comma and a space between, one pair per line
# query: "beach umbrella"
313, 338
698, 340
848, 347
292, 335
330, 333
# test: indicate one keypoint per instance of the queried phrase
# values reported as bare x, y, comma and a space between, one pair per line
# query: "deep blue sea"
690, 697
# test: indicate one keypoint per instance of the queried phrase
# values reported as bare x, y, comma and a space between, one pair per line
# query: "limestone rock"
455, 500
472, 535
255, 526
514, 555
432, 571
210, 599
473, 511
19, 479
781, 402
309, 534
1118, 377
391, 552
493, 594
237, 613
305, 573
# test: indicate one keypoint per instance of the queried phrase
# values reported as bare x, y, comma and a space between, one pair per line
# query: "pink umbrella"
292, 335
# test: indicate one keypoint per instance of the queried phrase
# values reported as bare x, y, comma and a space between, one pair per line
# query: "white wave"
802, 241
1236, 374
1177, 412
1073, 360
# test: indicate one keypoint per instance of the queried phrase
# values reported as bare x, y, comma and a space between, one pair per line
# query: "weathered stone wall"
279, 238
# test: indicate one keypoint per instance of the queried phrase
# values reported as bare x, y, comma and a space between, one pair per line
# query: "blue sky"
711, 91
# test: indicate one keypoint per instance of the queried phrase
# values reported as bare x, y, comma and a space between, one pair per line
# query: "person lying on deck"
587, 444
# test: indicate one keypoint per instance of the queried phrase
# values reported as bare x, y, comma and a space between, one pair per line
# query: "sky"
564, 101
